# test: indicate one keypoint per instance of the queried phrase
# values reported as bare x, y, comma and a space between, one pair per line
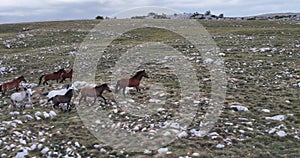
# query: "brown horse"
66, 75
131, 82
12, 84
52, 76
56, 100
94, 92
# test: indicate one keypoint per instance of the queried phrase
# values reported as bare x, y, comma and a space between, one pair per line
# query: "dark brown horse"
12, 84
66, 75
94, 92
131, 82
52, 76
56, 100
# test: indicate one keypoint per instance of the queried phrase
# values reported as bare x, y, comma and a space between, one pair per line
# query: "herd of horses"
60, 76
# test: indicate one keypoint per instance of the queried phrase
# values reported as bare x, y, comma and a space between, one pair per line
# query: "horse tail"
117, 87
50, 99
0, 88
45, 94
41, 79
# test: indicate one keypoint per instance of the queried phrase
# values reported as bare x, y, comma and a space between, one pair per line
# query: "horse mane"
102, 85
57, 72
68, 92
138, 73
20, 77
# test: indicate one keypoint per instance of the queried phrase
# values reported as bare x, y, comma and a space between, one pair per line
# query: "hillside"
260, 116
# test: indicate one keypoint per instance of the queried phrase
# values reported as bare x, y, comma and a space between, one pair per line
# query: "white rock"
33, 146
102, 150
220, 146
182, 134
115, 111
46, 115
18, 122
38, 113
152, 100
43, 140
18, 134
22, 154
52, 113
162, 150
239, 107
281, 133
208, 60
276, 118
197, 102
37, 118
45, 150
14, 113
196, 154
22, 141
146, 151
161, 109
265, 110
12, 145
77, 144
29, 106
96, 146
197, 133
39, 146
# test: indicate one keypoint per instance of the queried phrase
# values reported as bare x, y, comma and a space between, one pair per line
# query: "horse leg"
80, 99
13, 104
94, 100
85, 100
103, 99
117, 88
62, 80
69, 108
45, 82
138, 89
124, 91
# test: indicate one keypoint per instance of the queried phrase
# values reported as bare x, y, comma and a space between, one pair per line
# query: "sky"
16, 11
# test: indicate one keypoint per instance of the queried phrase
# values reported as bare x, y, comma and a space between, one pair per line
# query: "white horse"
19, 97
63, 91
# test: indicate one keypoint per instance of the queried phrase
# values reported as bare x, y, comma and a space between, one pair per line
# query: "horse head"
103, 87
144, 74
22, 78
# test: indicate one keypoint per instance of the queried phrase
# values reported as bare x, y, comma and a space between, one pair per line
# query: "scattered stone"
22, 154
239, 107
162, 150
276, 118
220, 146
265, 110
45, 150
52, 113
182, 134
281, 133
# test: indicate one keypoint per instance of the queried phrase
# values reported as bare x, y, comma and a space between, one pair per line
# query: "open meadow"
260, 116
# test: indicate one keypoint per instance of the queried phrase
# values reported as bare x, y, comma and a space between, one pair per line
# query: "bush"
99, 17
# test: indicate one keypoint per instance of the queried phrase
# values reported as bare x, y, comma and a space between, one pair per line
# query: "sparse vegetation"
262, 65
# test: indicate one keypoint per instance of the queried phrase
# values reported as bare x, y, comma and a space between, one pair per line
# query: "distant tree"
99, 17
221, 16
207, 12
151, 14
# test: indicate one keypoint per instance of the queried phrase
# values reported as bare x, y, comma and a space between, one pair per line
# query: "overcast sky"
13, 11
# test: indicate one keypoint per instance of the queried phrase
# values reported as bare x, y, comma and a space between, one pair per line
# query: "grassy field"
262, 64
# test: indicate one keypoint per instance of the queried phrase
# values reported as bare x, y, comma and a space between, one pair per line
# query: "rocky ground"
260, 115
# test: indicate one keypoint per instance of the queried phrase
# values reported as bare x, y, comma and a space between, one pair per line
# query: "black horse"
56, 100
